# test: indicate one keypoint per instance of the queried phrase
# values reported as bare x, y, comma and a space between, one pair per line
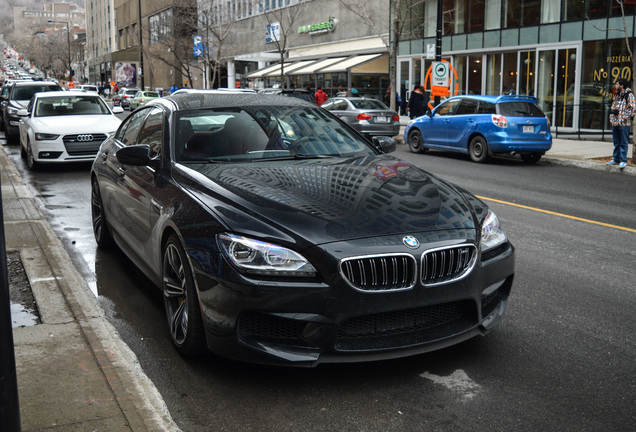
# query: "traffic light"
72, 73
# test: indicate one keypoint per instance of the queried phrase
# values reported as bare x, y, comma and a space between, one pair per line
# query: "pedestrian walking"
621, 115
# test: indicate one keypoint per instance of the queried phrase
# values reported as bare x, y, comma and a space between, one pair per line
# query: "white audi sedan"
65, 126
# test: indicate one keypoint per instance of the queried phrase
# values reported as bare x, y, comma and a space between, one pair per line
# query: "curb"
72, 322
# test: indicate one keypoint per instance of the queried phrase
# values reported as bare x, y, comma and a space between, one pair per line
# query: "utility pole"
438, 38
141, 50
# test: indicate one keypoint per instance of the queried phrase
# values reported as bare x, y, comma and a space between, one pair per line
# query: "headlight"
45, 137
491, 234
255, 256
12, 111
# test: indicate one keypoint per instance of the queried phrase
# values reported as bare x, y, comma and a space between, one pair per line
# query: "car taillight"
549, 124
396, 118
364, 116
499, 120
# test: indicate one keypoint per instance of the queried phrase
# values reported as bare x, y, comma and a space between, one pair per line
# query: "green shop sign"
323, 27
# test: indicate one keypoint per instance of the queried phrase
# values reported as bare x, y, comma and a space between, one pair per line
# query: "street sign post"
440, 79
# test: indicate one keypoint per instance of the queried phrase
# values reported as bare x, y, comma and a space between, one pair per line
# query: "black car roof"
188, 101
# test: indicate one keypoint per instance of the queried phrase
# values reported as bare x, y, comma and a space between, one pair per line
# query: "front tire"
478, 149
416, 142
30, 159
103, 236
181, 301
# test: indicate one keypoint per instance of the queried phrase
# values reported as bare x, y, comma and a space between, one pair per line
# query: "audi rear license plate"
528, 129
381, 119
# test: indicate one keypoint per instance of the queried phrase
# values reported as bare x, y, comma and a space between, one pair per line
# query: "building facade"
100, 40
331, 44
566, 53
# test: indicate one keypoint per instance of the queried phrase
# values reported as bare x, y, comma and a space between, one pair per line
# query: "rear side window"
519, 109
467, 106
368, 104
487, 108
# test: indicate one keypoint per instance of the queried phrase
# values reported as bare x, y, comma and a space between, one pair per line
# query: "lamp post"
141, 50
68, 42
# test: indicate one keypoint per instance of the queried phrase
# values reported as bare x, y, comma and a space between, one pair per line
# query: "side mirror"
118, 110
136, 155
385, 144
429, 112
23, 113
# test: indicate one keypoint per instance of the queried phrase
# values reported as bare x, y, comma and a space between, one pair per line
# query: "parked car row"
257, 255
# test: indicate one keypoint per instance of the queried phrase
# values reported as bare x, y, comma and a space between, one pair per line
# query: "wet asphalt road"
563, 359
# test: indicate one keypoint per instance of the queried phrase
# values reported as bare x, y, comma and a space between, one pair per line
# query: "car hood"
325, 200
71, 124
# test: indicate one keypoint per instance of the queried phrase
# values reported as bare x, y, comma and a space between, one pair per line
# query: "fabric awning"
366, 63
289, 68
265, 71
317, 66
350, 63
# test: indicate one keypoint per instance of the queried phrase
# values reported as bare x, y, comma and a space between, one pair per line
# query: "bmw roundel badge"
411, 242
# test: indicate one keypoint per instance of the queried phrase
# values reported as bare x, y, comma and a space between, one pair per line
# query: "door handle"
121, 171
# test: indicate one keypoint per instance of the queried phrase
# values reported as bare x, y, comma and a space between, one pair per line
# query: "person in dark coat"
416, 103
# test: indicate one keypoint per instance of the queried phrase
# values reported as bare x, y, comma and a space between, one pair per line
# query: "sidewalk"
74, 372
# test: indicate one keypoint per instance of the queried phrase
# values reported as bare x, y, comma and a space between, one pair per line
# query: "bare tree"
282, 26
48, 49
170, 42
374, 18
216, 31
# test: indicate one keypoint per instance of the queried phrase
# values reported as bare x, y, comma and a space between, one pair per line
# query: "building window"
160, 26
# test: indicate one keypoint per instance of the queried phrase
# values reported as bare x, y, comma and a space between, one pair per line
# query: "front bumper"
305, 323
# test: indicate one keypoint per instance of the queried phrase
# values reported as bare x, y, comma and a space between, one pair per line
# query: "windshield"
258, 133
70, 105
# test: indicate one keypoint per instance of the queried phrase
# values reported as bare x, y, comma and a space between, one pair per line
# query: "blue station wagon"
483, 126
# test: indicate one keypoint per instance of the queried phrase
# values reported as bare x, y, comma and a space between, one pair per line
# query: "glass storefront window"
460, 68
509, 78
475, 67
493, 74
596, 8
526, 73
475, 16
573, 10
521, 13
545, 82
596, 90
565, 87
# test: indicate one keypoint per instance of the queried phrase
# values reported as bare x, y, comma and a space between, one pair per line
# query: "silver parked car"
368, 116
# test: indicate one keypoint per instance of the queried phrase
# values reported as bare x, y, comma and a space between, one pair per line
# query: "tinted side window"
520, 109
128, 132
467, 106
487, 108
152, 132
